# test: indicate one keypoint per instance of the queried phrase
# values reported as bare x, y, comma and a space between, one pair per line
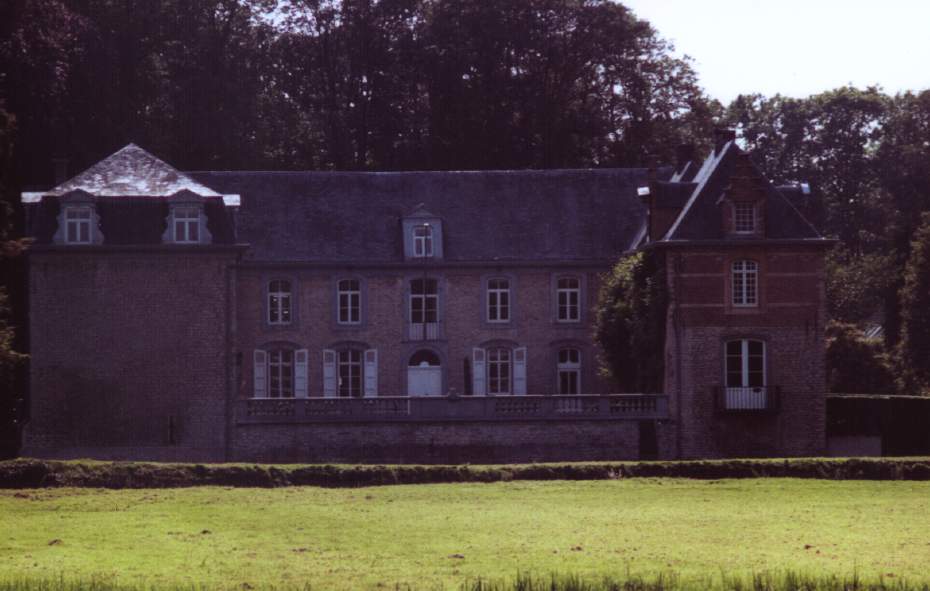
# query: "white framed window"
746, 364
569, 371
498, 298
424, 301
279, 302
349, 297
351, 372
745, 283
423, 240
498, 363
349, 364
186, 225
568, 299
281, 373
78, 224
744, 217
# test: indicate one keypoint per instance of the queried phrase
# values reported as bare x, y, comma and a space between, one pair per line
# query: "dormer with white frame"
422, 235
186, 222
78, 221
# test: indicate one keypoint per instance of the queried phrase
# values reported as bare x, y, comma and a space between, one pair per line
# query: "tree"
913, 353
630, 323
11, 361
856, 364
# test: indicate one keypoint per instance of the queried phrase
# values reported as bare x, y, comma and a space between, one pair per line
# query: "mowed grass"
428, 536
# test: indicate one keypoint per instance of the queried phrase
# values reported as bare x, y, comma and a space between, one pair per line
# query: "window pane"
354, 308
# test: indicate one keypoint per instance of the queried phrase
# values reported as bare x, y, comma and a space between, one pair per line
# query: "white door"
424, 380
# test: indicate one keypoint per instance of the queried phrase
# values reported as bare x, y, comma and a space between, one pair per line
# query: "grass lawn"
439, 535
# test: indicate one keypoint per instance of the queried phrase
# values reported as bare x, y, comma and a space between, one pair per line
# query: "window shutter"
260, 374
478, 372
300, 373
371, 373
329, 373
519, 370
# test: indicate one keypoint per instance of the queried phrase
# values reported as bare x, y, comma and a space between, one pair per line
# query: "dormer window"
422, 233
78, 224
187, 224
423, 240
744, 217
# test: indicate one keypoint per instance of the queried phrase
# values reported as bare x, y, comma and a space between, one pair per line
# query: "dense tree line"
434, 84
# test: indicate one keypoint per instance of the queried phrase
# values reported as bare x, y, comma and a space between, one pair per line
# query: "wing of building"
415, 316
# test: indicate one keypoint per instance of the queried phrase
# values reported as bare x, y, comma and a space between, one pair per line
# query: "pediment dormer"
742, 202
422, 235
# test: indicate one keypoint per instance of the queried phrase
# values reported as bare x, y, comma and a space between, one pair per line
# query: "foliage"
856, 285
856, 364
428, 536
914, 346
630, 322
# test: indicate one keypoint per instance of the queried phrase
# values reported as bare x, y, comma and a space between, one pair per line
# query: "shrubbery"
913, 354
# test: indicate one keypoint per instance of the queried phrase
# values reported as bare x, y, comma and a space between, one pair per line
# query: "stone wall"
438, 443
132, 352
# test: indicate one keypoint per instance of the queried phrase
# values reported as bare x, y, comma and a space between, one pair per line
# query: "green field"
443, 534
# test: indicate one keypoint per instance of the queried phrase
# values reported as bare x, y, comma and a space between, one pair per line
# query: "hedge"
32, 473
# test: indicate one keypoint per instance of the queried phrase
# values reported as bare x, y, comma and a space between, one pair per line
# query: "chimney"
60, 168
648, 197
684, 154
721, 137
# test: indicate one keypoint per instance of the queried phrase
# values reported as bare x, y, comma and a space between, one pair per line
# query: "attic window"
744, 217
78, 228
187, 224
423, 241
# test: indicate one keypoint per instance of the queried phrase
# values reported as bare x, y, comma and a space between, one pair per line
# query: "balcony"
418, 331
594, 407
747, 400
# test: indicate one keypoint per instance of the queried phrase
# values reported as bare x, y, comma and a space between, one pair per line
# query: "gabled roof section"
700, 219
131, 172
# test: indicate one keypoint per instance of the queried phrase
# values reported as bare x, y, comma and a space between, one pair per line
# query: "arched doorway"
424, 374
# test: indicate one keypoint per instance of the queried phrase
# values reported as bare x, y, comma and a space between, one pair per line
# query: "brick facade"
462, 313
133, 351
789, 320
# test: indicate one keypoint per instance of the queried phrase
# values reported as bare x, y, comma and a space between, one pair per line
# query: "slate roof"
555, 215
133, 172
700, 217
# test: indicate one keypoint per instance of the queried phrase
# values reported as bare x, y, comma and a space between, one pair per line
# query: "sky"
796, 48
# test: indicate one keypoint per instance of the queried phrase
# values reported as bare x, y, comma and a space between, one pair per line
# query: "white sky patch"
797, 47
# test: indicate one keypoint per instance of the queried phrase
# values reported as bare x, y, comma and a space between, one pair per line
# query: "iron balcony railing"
445, 408
758, 399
